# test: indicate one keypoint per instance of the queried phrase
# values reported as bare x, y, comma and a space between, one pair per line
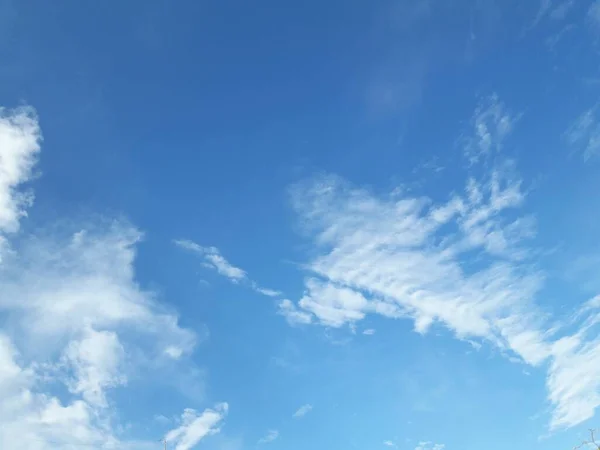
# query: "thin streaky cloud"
302, 411
583, 135
269, 437
213, 259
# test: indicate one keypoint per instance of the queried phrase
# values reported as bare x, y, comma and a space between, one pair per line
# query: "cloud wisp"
302, 411
466, 264
271, 436
583, 135
213, 259
426, 445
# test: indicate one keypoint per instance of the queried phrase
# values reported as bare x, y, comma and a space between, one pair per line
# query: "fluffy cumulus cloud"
72, 315
20, 138
466, 264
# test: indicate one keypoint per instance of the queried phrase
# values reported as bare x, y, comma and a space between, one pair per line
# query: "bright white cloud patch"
269, 437
96, 361
293, 315
195, 426
302, 411
72, 314
464, 264
19, 146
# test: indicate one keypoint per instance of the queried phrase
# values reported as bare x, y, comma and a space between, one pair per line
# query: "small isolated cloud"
389, 444
265, 291
302, 411
213, 259
426, 445
196, 426
369, 332
269, 437
583, 135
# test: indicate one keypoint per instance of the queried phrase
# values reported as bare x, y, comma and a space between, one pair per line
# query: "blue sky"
286, 225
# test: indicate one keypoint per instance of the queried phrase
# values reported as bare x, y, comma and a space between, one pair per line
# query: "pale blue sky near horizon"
338, 224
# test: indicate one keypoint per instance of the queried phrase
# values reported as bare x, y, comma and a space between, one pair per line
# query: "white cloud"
492, 123
213, 259
464, 264
20, 143
73, 314
96, 361
19, 146
334, 306
33, 420
269, 437
195, 427
429, 446
584, 133
389, 444
293, 315
574, 374
369, 332
386, 250
302, 411
267, 292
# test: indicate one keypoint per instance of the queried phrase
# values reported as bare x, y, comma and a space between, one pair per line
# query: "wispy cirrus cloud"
491, 124
466, 264
213, 259
73, 315
302, 411
271, 436
583, 135
426, 445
